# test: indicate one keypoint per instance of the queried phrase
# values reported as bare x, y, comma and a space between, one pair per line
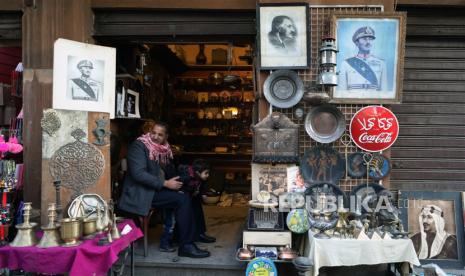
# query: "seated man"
145, 186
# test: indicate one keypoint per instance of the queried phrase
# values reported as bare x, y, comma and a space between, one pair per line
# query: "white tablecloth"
349, 252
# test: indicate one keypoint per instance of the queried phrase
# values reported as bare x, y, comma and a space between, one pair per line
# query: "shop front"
293, 120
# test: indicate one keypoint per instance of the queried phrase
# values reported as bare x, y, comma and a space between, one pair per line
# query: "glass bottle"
201, 58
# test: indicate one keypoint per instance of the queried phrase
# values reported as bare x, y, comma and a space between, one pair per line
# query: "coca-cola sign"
374, 128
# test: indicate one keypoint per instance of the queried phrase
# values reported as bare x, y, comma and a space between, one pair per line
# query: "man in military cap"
363, 71
85, 88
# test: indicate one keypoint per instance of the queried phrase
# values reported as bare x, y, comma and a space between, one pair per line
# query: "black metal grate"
259, 219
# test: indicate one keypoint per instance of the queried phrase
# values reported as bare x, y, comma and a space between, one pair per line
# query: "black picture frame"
412, 202
277, 53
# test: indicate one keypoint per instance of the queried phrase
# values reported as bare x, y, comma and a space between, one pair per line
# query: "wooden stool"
144, 223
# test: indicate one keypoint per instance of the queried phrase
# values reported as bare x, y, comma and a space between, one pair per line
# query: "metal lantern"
327, 76
328, 52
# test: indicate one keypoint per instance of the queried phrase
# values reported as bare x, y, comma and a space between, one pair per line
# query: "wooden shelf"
212, 104
224, 67
215, 136
215, 153
130, 118
214, 119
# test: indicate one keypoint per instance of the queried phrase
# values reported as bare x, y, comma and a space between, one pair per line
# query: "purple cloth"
86, 259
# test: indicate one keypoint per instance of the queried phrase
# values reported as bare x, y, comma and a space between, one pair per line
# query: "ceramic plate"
261, 266
356, 166
322, 164
379, 167
367, 190
283, 88
297, 221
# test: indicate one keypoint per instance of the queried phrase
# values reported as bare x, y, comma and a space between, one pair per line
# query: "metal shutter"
430, 151
173, 25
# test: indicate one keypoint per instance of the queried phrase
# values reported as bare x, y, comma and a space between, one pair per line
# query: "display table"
87, 258
350, 252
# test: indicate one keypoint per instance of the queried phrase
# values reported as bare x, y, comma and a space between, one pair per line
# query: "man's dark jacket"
142, 180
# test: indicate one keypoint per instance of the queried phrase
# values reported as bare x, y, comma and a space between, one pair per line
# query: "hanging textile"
17, 81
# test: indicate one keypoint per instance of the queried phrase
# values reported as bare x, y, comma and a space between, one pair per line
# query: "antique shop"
334, 133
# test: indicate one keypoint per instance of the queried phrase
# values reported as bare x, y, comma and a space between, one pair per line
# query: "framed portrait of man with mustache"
370, 57
283, 32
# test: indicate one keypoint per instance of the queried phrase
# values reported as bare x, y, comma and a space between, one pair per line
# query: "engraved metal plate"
276, 140
50, 122
78, 164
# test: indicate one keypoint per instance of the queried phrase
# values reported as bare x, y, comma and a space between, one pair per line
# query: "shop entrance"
202, 85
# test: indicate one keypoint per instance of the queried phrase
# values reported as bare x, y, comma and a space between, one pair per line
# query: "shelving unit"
208, 128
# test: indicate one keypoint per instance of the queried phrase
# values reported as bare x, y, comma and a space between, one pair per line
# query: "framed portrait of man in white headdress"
435, 223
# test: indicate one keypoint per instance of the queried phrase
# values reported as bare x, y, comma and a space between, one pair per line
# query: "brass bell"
25, 235
114, 230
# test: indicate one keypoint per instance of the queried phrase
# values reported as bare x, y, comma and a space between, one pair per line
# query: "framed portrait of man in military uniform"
370, 57
84, 77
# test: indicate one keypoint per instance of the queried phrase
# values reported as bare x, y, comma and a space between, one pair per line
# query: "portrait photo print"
434, 221
84, 77
370, 57
283, 36
132, 103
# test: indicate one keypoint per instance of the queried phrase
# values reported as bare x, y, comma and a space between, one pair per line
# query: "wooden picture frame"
426, 213
283, 36
370, 58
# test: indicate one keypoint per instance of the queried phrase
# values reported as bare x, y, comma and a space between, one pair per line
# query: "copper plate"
325, 123
283, 88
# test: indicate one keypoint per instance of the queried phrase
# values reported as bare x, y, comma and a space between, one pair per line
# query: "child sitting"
194, 177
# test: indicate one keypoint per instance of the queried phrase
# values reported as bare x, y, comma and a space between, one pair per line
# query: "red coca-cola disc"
374, 128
